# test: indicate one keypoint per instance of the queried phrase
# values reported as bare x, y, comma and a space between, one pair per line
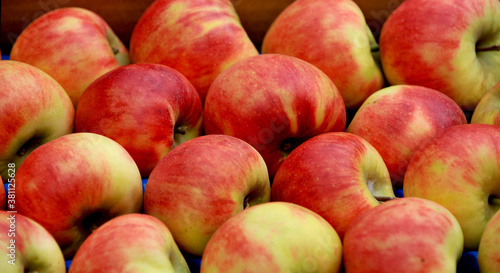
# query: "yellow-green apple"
334, 38
488, 108
34, 109
73, 45
203, 182
404, 235
452, 46
27, 246
199, 38
274, 102
274, 237
130, 243
75, 183
147, 108
337, 175
397, 120
488, 255
460, 169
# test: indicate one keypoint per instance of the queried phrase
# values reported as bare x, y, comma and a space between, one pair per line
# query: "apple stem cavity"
491, 48
382, 199
493, 200
115, 51
180, 130
374, 48
246, 202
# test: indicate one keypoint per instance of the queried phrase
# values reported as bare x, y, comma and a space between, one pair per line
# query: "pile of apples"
287, 160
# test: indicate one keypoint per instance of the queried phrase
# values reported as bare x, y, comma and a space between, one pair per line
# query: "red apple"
199, 38
452, 46
75, 183
202, 183
149, 109
274, 102
488, 255
73, 45
397, 120
129, 243
334, 38
488, 108
34, 109
335, 175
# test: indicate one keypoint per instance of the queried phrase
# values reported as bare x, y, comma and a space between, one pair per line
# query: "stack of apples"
287, 160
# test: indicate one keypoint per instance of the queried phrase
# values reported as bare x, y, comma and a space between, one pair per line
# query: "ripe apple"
488, 255
334, 38
274, 102
27, 246
129, 243
199, 38
203, 182
488, 108
397, 120
407, 234
73, 45
335, 175
452, 46
75, 183
459, 169
147, 108
273, 237
34, 109
3, 196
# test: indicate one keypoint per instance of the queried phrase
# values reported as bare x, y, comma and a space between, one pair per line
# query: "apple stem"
374, 48
491, 48
180, 130
384, 198
494, 200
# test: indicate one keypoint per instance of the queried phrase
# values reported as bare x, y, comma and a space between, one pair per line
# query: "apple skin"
488, 108
335, 175
273, 237
75, 183
199, 38
336, 39
488, 254
202, 183
35, 249
149, 109
433, 44
3, 198
397, 120
73, 45
130, 243
34, 109
413, 234
274, 102
459, 169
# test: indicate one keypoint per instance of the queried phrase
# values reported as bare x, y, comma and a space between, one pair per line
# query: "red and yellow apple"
488, 108
34, 109
337, 175
73, 45
274, 237
149, 109
130, 243
460, 169
488, 255
75, 183
203, 182
274, 102
199, 38
334, 38
397, 120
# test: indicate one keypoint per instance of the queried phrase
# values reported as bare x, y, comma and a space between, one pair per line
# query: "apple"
130, 243
199, 38
273, 102
73, 45
452, 46
75, 183
407, 234
488, 254
149, 109
488, 108
337, 175
27, 246
34, 109
3, 196
459, 169
398, 120
336, 39
203, 182
273, 237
